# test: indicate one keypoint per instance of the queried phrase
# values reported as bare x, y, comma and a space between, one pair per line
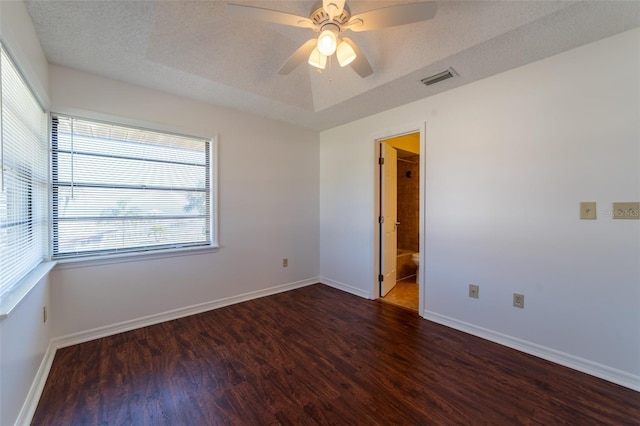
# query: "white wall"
23, 335
268, 183
19, 37
508, 160
24, 339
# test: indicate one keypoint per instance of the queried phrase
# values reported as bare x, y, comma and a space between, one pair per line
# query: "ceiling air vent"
441, 76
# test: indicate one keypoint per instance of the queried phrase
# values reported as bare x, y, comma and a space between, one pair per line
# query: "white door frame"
376, 139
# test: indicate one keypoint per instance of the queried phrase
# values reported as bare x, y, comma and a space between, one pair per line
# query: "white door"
389, 214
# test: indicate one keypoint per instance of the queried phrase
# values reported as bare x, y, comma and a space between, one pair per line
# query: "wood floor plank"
317, 356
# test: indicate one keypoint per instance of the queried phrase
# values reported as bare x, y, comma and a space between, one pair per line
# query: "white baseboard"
601, 371
345, 287
109, 330
33, 397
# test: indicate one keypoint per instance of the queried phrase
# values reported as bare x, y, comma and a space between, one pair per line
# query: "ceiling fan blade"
298, 57
391, 16
360, 64
269, 15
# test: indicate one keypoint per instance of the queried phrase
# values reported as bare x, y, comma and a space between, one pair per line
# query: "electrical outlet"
474, 291
518, 300
285, 262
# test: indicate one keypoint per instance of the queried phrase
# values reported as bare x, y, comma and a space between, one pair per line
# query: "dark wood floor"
317, 356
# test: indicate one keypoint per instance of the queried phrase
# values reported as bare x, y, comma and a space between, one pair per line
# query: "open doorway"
399, 207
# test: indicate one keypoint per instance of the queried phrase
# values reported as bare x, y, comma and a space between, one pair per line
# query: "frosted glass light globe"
327, 42
345, 54
317, 59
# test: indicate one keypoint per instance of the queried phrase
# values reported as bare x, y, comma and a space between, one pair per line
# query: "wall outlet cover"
518, 300
474, 291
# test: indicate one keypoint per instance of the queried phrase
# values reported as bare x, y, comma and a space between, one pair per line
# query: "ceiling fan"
331, 21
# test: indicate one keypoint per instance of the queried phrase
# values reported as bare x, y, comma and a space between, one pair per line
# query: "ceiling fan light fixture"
317, 59
345, 54
330, 22
327, 42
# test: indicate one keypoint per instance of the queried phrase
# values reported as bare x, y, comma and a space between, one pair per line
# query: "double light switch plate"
626, 210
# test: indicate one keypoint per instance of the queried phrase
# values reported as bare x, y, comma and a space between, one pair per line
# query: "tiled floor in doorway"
404, 294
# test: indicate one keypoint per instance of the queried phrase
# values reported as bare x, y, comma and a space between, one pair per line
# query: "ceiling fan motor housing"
320, 17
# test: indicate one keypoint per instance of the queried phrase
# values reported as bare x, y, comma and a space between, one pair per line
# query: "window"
118, 189
23, 177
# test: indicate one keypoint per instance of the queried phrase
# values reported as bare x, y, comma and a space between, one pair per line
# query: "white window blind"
24, 177
119, 189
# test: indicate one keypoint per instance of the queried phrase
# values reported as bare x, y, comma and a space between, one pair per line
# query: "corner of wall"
21, 41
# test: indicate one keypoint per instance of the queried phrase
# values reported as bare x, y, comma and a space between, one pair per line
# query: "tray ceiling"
195, 49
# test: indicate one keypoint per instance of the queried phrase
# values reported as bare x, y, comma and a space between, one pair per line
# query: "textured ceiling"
195, 49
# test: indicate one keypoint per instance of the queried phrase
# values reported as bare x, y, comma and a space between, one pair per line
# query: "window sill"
84, 262
12, 300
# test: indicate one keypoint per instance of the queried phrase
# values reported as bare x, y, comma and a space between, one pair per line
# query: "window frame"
134, 254
36, 176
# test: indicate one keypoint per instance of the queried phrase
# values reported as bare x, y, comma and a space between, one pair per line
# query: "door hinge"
380, 278
380, 219
381, 160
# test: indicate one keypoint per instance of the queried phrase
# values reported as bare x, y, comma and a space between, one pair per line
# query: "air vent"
436, 78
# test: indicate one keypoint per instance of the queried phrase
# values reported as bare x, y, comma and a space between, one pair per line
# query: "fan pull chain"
331, 69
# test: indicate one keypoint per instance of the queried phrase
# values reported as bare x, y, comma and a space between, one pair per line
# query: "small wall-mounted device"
588, 210
626, 210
